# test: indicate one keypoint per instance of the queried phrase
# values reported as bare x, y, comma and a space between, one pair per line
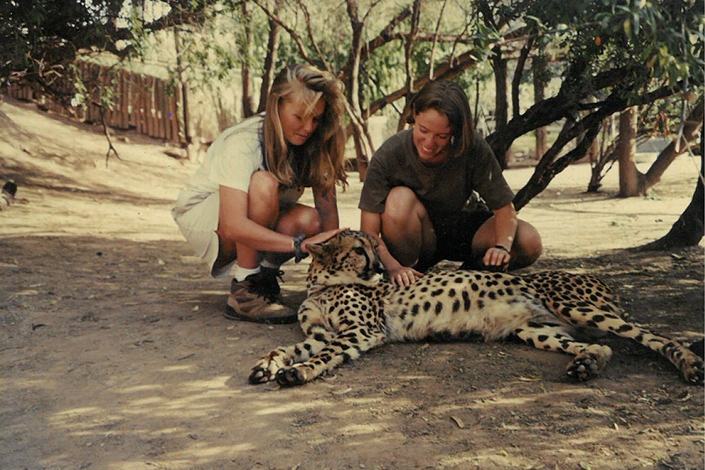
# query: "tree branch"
294, 35
309, 31
381, 39
518, 72
547, 168
446, 70
111, 148
175, 17
435, 39
408, 48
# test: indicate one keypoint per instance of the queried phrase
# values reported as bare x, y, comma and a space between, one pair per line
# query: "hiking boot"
257, 299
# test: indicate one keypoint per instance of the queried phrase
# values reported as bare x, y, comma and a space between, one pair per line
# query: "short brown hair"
449, 99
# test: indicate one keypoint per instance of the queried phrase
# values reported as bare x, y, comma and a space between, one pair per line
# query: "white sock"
241, 273
270, 265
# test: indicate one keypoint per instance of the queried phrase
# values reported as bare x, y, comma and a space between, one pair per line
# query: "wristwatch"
298, 254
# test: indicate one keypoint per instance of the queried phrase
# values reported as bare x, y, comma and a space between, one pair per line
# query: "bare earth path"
114, 354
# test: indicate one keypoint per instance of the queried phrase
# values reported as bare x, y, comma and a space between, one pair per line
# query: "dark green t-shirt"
443, 189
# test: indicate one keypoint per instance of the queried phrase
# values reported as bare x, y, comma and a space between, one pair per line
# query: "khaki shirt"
442, 189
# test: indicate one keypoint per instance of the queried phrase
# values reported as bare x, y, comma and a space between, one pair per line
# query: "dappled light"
114, 353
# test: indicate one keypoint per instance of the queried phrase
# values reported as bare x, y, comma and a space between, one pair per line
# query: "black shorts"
455, 231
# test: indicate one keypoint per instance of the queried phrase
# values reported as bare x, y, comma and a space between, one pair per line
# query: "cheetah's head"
348, 258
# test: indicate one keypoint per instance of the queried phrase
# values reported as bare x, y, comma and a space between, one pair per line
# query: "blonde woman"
239, 210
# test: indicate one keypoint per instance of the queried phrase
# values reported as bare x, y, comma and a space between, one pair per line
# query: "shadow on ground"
115, 355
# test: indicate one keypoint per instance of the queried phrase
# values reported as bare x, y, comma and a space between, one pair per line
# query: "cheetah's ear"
322, 250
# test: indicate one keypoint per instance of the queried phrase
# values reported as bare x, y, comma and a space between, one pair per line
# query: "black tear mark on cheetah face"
350, 309
350, 257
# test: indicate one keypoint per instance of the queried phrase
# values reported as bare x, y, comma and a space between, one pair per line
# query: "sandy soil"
114, 354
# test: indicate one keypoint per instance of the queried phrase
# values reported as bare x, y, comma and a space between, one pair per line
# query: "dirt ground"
114, 354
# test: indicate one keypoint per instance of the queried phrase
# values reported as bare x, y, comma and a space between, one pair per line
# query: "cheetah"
350, 309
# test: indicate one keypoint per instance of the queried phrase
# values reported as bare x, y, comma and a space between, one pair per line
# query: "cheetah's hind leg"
689, 364
589, 359
584, 314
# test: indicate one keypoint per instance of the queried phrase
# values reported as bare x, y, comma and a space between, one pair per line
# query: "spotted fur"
350, 309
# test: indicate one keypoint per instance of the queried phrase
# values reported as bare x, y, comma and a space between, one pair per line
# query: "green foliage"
41, 37
655, 41
659, 40
664, 36
38, 34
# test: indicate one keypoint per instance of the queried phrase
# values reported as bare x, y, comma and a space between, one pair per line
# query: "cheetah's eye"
359, 250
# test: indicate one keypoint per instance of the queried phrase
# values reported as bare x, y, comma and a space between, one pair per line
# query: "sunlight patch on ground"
199, 385
84, 421
138, 389
291, 407
362, 429
416, 377
186, 459
364, 401
183, 368
79, 411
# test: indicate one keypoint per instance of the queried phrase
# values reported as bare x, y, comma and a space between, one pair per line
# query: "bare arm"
371, 223
326, 203
505, 231
235, 227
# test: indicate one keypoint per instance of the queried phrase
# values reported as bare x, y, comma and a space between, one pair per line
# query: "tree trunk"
183, 87
628, 173
499, 66
634, 183
270, 60
246, 61
691, 126
408, 50
518, 73
539, 96
354, 108
432, 56
606, 154
690, 226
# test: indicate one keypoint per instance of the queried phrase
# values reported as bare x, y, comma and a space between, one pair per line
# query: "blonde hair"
325, 148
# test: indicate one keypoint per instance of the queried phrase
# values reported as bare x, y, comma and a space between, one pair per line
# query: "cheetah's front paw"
693, 373
291, 376
588, 364
266, 368
259, 375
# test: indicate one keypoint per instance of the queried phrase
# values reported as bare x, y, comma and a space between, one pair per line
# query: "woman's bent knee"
310, 222
401, 195
530, 246
301, 219
401, 203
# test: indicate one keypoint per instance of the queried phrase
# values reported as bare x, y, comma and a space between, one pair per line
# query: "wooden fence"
140, 102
